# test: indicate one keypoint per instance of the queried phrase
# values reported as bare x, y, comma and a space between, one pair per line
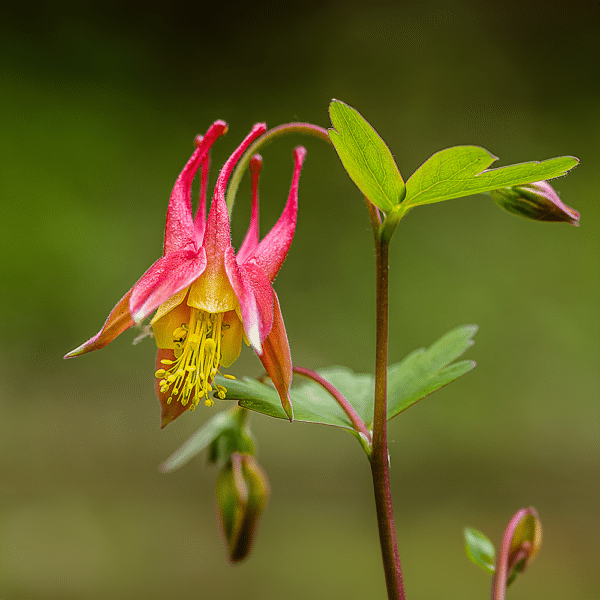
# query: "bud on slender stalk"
536, 201
242, 492
520, 543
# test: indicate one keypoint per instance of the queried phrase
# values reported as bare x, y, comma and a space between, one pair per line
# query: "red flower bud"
536, 201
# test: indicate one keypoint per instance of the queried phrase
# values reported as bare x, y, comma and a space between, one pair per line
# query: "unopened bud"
242, 492
520, 543
536, 201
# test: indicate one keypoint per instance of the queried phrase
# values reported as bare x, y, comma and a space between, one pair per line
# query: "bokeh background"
100, 104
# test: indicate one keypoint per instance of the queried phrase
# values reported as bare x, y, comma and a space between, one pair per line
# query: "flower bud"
521, 541
536, 201
242, 490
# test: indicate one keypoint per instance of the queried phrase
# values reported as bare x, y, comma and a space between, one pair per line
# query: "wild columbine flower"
536, 201
208, 299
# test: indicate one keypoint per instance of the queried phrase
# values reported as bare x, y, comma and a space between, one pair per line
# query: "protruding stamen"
197, 358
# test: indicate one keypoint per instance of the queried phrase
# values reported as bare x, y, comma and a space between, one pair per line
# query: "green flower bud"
242, 491
536, 201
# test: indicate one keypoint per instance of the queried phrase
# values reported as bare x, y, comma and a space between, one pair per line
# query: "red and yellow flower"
206, 298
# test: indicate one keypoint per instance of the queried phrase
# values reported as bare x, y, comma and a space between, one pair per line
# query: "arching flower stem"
263, 140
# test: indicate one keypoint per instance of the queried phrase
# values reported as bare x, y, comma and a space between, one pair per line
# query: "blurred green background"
100, 104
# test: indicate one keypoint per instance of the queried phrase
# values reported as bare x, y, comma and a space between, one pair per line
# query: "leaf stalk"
356, 421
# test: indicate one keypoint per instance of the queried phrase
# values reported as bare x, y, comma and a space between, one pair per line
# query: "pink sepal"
217, 236
200, 218
118, 321
255, 295
277, 360
180, 230
167, 276
225, 173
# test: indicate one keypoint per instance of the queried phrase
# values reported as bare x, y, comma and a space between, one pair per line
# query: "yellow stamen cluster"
190, 377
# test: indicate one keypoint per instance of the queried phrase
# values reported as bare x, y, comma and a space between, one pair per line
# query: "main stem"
379, 457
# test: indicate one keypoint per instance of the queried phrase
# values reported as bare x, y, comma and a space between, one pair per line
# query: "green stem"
379, 457
263, 140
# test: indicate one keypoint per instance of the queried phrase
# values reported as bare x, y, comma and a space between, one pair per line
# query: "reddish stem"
379, 457
506, 559
356, 421
263, 140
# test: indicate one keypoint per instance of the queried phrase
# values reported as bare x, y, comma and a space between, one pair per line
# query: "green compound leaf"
460, 171
480, 550
417, 376
365, 157
424, 371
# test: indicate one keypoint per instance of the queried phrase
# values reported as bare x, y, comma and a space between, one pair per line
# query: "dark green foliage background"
100, 104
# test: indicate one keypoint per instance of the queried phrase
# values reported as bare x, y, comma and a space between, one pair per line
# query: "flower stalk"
263, 140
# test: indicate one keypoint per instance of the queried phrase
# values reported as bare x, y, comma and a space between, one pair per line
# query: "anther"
197, 350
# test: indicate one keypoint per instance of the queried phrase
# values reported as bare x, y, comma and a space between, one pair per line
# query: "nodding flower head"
208, 299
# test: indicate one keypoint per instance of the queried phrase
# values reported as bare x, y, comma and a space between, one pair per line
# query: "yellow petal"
213, 293
231, 343
170, 304
164, 326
